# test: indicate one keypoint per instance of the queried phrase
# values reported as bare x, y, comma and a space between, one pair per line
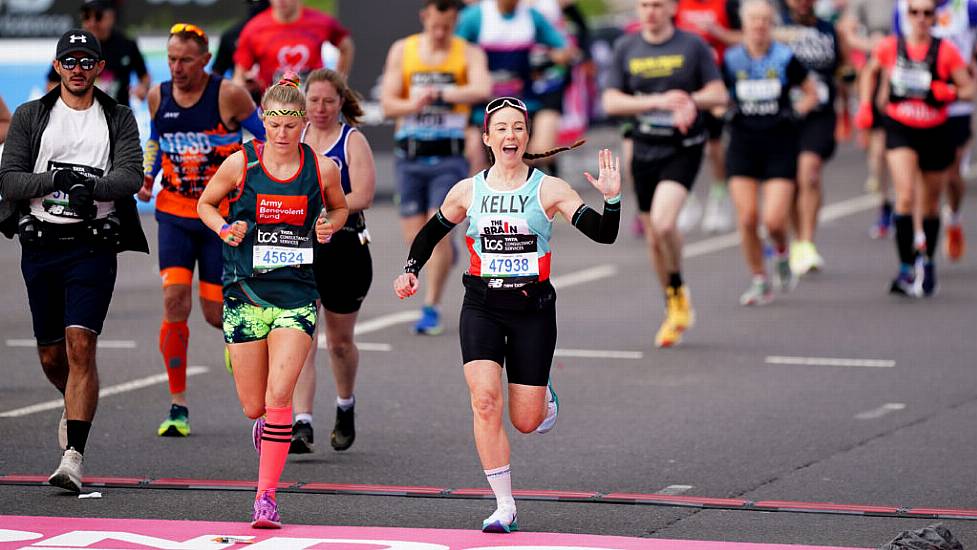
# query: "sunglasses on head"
924, 13
69, 63
501, 102
188, 27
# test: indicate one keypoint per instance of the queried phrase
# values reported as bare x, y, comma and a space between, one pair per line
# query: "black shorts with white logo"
514, 328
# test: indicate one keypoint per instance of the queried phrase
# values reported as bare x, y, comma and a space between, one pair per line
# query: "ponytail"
551, 152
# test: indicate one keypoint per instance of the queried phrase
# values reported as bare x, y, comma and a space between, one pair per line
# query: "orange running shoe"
955, 244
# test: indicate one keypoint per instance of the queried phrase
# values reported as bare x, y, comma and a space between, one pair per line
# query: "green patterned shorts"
244, 322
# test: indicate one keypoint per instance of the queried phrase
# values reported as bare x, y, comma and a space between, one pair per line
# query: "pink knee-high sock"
275, 440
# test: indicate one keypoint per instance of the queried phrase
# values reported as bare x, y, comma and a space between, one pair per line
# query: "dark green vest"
272, 266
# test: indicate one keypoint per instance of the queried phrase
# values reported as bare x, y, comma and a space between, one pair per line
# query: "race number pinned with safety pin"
509, 251
280, 240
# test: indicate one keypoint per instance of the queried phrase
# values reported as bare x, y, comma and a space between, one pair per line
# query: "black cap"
97, 5
79, 40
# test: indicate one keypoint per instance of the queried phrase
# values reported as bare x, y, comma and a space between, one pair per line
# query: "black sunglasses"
69, 63
90, 13
924, 13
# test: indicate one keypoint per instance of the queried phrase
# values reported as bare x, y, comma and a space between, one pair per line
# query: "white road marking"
674, 490
363, 346
102, 344
584, 276
104, 392
881, 411
828, 213
828, 361
598, 353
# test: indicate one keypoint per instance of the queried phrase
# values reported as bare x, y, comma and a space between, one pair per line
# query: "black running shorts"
959, 129
517, 332
932, 145
714, 125
682, 167
343, 271
818, 134
762, 155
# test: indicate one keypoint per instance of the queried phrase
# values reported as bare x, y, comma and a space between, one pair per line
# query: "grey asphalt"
710, 413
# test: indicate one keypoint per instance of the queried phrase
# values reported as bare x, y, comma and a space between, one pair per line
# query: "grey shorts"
423, 183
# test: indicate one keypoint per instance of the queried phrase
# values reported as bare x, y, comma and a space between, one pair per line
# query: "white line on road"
584, 276
598, 353
103, 344
881, 411
105, 392
362, 346
828, 361
675, 490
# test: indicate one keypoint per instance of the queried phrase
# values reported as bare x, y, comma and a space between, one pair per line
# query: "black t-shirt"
683, 62
817, 48
122, 60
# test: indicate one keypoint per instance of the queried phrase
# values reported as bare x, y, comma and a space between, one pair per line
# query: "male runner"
196, 120
429, 82
664, 78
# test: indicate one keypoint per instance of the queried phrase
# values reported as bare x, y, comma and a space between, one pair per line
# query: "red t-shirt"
694, 15
280, 47
916, 112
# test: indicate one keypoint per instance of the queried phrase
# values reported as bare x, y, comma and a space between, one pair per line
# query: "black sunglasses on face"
924, 13
69, 63
92, 14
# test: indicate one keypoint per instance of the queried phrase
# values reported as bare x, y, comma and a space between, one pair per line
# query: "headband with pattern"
284, 112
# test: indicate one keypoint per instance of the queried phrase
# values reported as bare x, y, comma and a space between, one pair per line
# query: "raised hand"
608, 180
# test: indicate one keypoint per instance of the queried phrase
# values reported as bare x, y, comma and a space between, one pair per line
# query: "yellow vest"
437, 119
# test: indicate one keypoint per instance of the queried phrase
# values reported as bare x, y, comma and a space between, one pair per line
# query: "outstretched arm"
600, 228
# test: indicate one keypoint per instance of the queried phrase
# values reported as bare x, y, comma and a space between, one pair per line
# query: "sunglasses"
925, 13
188, 27
92, 14
500, 103
69, 63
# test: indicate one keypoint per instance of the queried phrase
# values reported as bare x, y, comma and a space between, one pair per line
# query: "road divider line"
102, 344
880, 411
829, 362
675, 489
105, 392
598, 353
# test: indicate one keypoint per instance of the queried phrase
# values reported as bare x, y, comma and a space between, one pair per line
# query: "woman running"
509, 312
341, 291
921, 75
764, 142
277, 194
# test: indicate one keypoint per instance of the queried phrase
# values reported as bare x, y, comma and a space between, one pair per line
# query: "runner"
70, 166
276, 195
287, 37
718, 23
864, 25
764, 142
509, 313
195, 124
508, 30
429, 82
341, 290
818, 47
666, 79
921, 76
955, 21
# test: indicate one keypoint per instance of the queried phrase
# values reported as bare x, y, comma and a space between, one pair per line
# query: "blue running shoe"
430, 322
501, 521
929, 279
552, 410
256, 431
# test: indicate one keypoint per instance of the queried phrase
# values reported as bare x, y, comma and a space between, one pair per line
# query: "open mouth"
510, 149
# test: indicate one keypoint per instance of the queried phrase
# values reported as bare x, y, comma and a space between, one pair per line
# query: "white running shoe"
63, 430
503, 520
68, 474
552, 410
718, 217
758, 294
690, 215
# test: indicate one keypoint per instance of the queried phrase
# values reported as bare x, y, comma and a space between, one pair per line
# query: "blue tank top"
508, 235
337, 153
760, 88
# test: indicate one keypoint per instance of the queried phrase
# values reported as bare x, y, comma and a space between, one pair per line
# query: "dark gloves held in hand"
78, 187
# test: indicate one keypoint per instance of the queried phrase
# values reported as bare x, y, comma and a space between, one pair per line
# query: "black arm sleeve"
427, 238
602, 229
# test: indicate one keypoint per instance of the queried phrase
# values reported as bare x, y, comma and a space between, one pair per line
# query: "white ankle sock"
304, 417
500, 479
345, 404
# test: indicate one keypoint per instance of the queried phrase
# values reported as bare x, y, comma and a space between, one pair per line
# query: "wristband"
616, 199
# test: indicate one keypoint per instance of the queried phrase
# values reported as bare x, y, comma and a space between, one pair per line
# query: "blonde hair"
351, 109
285, 93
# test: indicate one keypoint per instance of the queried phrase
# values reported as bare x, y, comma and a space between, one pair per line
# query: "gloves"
943, 92
863, 119
81, 200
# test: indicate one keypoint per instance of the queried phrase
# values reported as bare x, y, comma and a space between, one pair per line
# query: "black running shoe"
344, 432
303, 441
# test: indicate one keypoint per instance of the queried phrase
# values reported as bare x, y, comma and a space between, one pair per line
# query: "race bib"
909, 81
767, 89
657, 123
280, 239
508, 253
